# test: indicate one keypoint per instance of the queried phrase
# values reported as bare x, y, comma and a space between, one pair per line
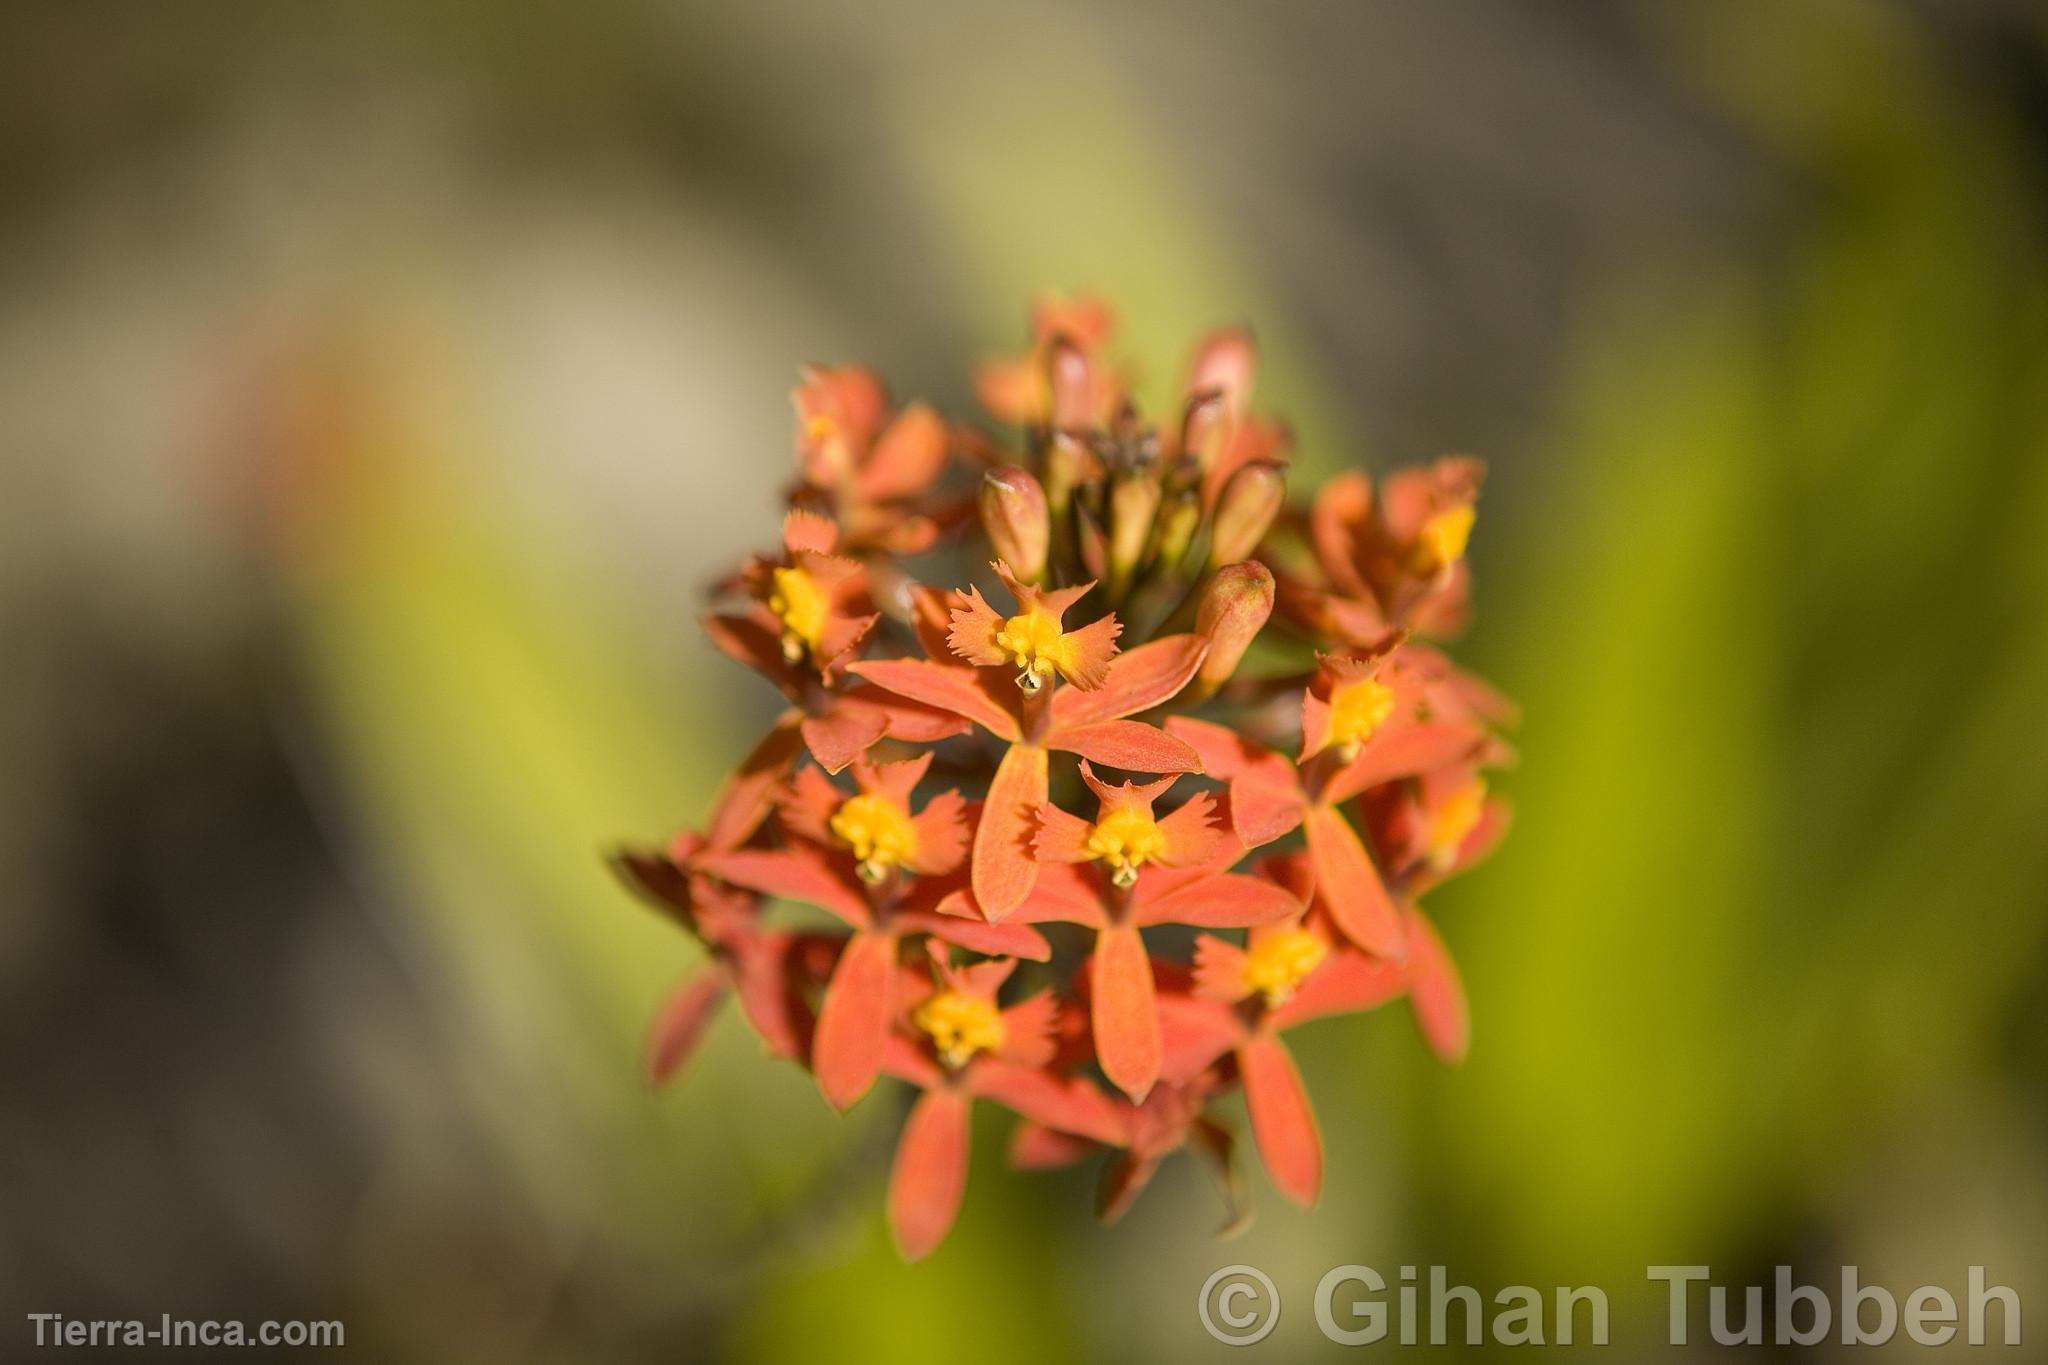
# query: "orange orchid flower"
957, 1045
1121, 974
769, 972
1364, 722
1037, 717
853, 1018
866, 463
1124, 836
1286, 974
1397, 560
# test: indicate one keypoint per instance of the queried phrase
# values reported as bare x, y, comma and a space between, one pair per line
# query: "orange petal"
893, 780
908, 458
1315, 725
680, 1024
1035, 1147
1028, 1030
1191, 834
1072, 1104
842, 734
1436, 993
930, 1174
978, 936
1061, 837
1350, 885
1348, 981
752, 643
1138, 680
1226, 365
768, 979
1194, 1032
931, 616
807, 532
910, 721
1128, 744
1063, 894
1011, 390
748, 795
1403, 751
807, 805
1054, 602
1225, 901
1094, 646
1002, 869
1118, 795
1219, 970
973, 629
1283, 1124
1265, 789
1123, 1180
1124, 1016
945, 686
1340, 512
941, 834
840, 643
800, 872
853, 1021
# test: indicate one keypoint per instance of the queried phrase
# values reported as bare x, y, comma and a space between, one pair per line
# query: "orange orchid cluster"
1189, 704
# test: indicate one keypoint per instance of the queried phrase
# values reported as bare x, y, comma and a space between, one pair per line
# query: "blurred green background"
380, 383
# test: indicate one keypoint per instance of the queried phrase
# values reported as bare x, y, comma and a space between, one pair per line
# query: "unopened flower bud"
1067, 467
1245, 510
1233, 610
1014, 514
1178, 522
1133, 507
1227, 365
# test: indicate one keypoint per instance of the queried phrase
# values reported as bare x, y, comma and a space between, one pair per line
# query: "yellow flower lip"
1034, 640
960, 1025
802, 607
1357, 709
1453, 820
1278, 963
1443, 538
1126, 838
878, 830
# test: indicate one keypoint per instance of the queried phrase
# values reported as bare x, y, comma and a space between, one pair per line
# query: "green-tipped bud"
1067, 464
1133, 507
1014, 514
1245, 510
1234, 607
1178, 522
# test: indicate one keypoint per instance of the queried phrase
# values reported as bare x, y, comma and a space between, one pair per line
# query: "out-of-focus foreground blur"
380, 384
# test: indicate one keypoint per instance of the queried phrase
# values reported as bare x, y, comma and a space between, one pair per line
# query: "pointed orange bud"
1234, 609
1014, 514
1245, 511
